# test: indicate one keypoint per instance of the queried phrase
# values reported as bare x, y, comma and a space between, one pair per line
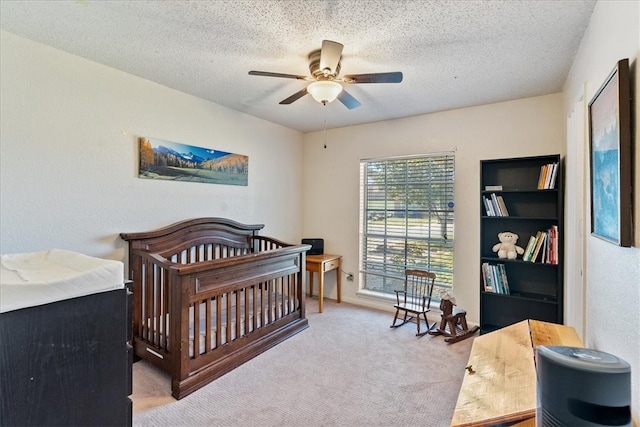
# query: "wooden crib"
210, 294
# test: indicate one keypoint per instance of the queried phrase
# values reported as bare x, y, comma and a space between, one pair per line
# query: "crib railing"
224, 317
153, 295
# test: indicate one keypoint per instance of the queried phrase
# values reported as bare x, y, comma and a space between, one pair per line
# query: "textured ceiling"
452, 53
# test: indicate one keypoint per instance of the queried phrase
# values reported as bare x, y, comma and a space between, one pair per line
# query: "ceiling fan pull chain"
325, 125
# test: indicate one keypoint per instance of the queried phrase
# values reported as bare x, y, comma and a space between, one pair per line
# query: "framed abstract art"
610, 158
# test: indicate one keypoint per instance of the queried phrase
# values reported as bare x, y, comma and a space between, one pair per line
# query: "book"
494, 201
485, 200
486, 205
550, 248
529, 249
496, 279
489, 287
484, 277
540, 237
547, 176
502, 205
554, 173
503, 275
493, 187
554, 246
542, 177
492, 206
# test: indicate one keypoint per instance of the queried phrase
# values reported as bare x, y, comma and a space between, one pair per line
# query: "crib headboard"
193, 232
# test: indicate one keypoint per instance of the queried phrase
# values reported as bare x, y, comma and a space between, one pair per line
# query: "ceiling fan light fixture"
324, 91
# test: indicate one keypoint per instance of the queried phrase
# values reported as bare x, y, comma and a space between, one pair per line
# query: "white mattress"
37, 278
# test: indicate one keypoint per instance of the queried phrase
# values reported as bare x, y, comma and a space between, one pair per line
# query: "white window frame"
386, 229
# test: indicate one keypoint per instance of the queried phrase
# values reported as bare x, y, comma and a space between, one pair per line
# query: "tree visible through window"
406, 219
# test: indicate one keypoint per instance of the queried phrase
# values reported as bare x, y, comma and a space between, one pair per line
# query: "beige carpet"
347, 369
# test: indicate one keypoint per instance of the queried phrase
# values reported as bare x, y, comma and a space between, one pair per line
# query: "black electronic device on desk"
317, 246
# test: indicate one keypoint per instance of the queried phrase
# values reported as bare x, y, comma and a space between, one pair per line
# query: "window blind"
407, 219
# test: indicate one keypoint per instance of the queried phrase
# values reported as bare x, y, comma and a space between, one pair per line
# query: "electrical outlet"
350, 277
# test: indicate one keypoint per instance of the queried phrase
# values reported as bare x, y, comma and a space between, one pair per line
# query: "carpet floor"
347, 369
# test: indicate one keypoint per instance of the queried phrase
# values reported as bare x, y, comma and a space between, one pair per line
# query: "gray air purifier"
582, 387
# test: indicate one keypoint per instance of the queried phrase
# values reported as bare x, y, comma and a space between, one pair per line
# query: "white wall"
612, 273
525, 127
69, 156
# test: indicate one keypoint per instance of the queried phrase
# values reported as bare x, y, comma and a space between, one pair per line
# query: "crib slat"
277, 287
238, 323
270, 301
279, 301
196, 330
247, 310
207, 334
163, 313
254, 323
285, 298
144, 280
228, 315
287, 301
157, 296
218, 322
282, 304
294, 289
289, 295
148, 301
262, 307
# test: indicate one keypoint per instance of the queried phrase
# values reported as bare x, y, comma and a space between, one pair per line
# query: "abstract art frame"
173, 161
610, 158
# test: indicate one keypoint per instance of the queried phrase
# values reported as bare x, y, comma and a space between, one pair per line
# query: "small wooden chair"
415, 298
454, 323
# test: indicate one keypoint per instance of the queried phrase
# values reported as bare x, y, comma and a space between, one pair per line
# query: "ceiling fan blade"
330, 55
348, 100
294, 97
270, 74
394, 77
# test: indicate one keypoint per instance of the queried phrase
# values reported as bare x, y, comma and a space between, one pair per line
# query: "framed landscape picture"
173, 161
610, 158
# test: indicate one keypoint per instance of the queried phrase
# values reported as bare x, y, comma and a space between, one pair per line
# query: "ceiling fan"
324, 65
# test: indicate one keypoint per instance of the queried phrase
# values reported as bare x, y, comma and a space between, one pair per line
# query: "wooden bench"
499, 385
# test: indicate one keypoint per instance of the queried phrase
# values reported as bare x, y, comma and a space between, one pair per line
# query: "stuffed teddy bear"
507, 247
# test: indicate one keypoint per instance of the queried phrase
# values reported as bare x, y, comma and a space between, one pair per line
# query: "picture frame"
610, 158
173, 161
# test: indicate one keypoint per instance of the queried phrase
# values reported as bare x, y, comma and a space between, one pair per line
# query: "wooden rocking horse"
454, 321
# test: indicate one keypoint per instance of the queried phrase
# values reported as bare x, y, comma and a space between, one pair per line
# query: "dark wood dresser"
67, 363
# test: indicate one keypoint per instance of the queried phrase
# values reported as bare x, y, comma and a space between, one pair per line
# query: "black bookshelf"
535, 289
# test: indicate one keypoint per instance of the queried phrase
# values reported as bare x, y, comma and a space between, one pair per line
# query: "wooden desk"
503, 387
321, 264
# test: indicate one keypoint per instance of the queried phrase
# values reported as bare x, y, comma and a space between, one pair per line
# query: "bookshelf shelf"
519, 218
539, 298
534, 290
495, 259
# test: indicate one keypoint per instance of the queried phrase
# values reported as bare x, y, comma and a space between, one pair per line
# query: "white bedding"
36, 278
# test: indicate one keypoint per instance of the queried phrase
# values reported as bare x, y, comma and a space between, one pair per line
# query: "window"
406, 219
